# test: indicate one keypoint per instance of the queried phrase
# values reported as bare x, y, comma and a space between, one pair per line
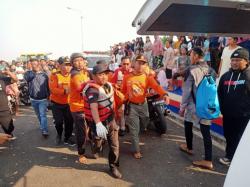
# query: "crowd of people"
97, 105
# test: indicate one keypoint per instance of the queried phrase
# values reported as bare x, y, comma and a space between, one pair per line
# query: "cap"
141, 58
198, 51
63, 60
100, 69
241, 53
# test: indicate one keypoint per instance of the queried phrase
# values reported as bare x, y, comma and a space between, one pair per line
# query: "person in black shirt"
6, 121
234, 98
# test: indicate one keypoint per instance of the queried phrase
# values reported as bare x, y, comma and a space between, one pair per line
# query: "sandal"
183, 147
83, 159
204, 164
137, 155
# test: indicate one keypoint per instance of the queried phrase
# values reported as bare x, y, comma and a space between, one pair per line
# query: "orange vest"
57, 85
75, 96
135, 87
105, 102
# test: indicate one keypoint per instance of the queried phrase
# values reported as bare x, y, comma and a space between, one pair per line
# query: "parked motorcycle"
157, 112
24, 93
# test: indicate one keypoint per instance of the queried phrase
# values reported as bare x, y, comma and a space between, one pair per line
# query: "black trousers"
113, 141
189, 134
81, 131
233, 130
62, 116
207, 141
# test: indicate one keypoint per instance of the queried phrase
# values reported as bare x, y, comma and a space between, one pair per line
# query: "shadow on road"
32, 160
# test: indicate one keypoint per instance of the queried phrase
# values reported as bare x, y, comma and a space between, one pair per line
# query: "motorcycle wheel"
160, 122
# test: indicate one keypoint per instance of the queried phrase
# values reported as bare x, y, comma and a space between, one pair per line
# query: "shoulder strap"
203, 72
90, 84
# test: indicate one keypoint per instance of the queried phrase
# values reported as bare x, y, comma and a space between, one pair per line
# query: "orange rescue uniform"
75, 95
135, 87
57, 85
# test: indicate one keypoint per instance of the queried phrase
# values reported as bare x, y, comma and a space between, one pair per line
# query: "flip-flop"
184, 149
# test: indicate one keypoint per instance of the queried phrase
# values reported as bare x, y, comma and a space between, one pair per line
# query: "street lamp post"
82, 31
81, 17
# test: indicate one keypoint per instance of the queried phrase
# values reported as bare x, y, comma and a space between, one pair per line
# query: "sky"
30, 26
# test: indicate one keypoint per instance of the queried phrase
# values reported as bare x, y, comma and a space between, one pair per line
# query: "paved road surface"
31, 160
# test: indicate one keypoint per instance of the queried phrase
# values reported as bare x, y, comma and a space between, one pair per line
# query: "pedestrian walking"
38, 83
99, 112
59, 89
79, 76
135, 86
193, 77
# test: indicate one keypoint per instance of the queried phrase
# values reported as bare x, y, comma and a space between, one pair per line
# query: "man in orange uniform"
79, 75
59, 90
117, 79
135, 86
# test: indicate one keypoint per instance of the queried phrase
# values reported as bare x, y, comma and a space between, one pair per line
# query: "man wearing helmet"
79, 75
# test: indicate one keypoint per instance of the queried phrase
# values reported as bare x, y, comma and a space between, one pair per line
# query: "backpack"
207, 103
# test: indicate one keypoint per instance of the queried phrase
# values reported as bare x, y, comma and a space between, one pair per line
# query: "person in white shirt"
168, 61
225, 63
113, 65
19, 71
190, 44
148, 50
119, 56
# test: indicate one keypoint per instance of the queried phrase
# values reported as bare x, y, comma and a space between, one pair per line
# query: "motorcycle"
157, 112
24, 93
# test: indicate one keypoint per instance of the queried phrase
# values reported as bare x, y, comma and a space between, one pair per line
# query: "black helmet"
63, 60
76, 55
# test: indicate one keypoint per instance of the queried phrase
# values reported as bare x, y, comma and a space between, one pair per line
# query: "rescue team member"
99, 112
234, 98
193, 78
148, 71
6, 121
117, 79
79, 75
135, 86
38, 83
59, 90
